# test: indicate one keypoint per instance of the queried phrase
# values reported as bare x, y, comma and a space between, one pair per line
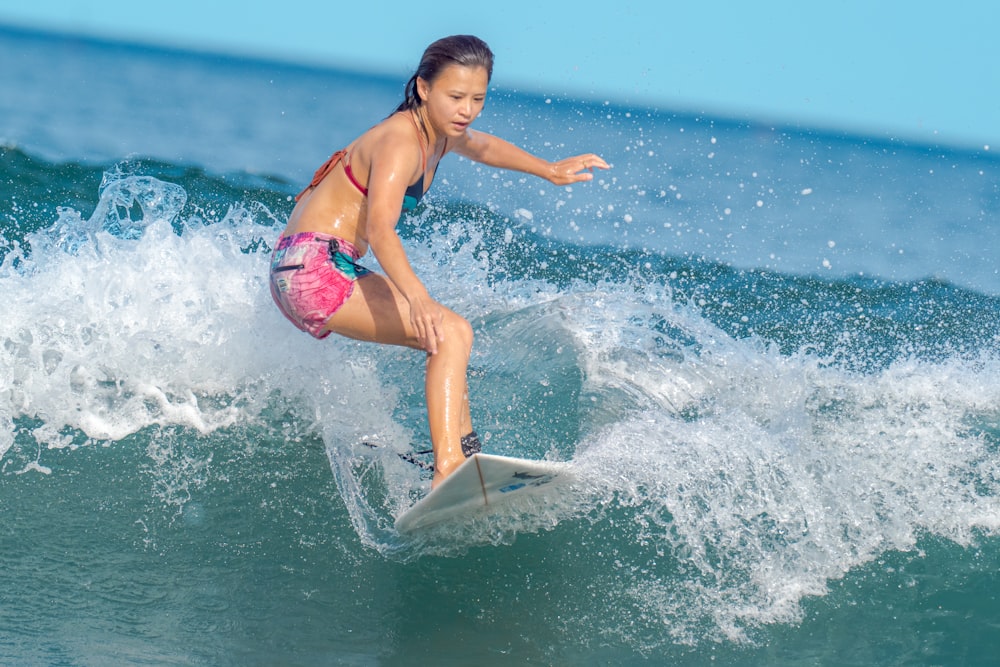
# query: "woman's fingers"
591, 161
427, 321
578, 168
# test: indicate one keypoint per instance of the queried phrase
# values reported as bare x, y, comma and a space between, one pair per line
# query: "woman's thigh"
376, 312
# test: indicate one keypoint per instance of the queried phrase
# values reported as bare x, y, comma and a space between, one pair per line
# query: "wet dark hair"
464, 50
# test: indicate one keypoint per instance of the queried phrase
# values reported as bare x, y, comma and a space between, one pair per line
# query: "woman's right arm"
389, 175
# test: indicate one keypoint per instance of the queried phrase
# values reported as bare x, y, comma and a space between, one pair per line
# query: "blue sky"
916, 70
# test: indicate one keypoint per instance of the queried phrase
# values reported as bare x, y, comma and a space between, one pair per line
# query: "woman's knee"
459, 329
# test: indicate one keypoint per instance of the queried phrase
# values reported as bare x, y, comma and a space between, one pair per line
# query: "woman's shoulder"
394, 128
392, 136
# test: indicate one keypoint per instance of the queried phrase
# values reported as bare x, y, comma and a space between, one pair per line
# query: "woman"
354, 202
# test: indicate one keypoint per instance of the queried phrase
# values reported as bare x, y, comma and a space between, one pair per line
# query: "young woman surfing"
353, 204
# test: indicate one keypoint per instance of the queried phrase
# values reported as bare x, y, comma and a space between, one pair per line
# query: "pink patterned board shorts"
312, 275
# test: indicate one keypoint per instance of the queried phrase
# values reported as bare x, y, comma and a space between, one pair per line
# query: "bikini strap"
322, 172
334, 159
423, 150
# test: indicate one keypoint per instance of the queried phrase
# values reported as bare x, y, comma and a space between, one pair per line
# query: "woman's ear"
423, 88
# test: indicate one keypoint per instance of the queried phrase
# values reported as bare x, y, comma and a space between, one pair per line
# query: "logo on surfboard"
529, 480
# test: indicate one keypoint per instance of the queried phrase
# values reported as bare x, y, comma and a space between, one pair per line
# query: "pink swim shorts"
312, 275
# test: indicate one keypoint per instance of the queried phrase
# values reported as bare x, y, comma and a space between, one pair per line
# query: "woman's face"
455, 98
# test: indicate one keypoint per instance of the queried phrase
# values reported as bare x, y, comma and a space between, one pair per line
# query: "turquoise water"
770, 353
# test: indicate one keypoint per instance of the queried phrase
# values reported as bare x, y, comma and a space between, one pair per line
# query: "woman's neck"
427, 128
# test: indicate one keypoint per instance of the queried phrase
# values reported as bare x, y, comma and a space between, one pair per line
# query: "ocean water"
771, 354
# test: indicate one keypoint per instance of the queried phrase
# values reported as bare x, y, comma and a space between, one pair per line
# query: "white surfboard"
483, 481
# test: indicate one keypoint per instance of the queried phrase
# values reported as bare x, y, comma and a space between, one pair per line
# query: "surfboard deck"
483, 481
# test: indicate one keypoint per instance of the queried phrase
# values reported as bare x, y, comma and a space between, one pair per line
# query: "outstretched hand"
576, 169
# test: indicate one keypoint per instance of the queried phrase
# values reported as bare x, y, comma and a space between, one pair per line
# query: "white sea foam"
110, 333
765, 476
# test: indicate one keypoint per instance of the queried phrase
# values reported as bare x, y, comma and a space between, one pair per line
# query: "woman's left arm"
495, 152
